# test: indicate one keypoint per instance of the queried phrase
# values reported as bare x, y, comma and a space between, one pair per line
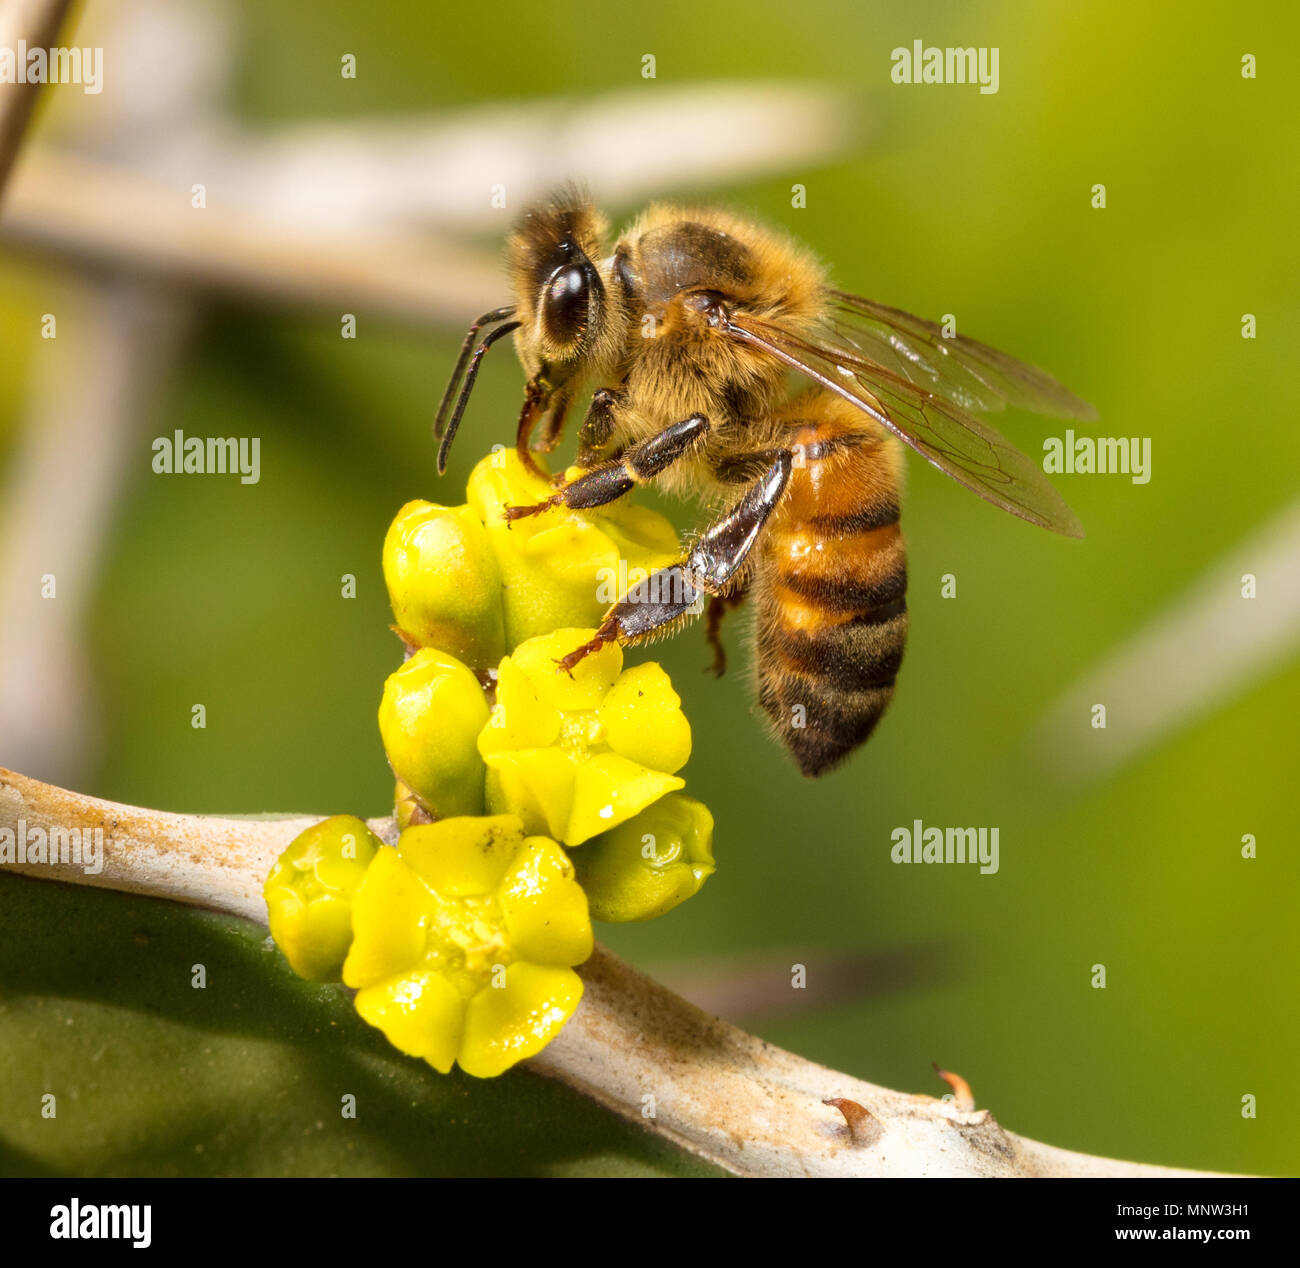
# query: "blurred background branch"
375, 216
33, 24
1236, 624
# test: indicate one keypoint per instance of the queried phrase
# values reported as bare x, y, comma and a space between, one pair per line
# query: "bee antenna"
488, 319
470, 375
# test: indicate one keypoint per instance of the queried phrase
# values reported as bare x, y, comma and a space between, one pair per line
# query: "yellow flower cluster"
466, 581
462, 939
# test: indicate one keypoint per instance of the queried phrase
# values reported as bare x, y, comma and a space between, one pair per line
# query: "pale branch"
378, 216
90, 391
632, 1046
93, 214
437, 172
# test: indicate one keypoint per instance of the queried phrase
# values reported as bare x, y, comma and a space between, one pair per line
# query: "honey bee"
726, 367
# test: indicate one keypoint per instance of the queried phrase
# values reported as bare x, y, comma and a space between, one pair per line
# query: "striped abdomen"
829, 589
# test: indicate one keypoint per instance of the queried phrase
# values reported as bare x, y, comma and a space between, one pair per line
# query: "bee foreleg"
610, 480
535, 401
713, 563
557, 409
598, 426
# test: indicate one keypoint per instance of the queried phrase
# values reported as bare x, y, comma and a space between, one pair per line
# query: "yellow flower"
465, 938
645, 867
562, 567
576, 756
309, 894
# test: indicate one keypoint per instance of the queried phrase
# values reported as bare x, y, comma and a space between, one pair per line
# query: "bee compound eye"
565, 304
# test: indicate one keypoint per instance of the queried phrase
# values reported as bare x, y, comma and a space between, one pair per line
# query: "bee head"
568, 324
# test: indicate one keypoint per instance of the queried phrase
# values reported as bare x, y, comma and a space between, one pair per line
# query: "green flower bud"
430, 717
444, 583
645, 867
309, 894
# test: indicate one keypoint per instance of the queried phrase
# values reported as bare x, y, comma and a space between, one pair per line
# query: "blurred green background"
951, 202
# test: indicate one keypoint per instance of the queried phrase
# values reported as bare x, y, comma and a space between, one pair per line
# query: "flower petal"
545, 908
534, 783
521, 718
608, 790
507, 1024
501, 480
389, 915
420, 1013
591, 678
550, 564
643, 719
463, 856
643, 537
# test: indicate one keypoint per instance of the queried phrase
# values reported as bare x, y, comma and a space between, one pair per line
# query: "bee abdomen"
832, 621
859, 654
819, 722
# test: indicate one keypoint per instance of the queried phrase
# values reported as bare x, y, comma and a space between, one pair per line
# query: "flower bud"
432, 711
562, 568
444, 583
309, 894
645, 867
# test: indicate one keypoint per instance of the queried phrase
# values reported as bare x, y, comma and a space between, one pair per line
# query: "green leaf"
245, 1076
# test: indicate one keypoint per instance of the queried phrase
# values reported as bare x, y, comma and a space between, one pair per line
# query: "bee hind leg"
719, 606
710, 569
609, 480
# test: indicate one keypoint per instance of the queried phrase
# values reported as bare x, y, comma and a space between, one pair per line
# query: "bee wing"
970, 373
940, 430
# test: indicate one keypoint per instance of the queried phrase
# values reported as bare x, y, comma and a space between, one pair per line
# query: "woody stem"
633, 1046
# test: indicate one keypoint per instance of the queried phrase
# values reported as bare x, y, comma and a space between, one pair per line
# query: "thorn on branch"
962, 1097
864, 1127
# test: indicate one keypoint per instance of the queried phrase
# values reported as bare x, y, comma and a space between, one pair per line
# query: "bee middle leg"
710, 569
610, 480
